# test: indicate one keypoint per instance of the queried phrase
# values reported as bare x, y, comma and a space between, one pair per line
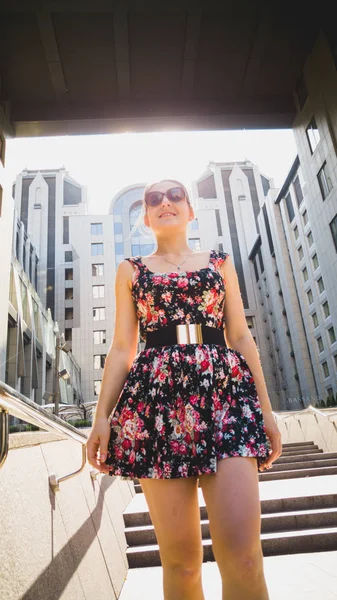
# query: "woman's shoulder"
219, 255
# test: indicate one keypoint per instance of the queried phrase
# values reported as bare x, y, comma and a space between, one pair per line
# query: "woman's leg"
175, 515
234, 511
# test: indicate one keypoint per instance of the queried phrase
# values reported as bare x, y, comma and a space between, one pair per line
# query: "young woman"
192, 406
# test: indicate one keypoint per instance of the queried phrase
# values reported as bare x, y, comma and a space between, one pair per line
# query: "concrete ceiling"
102, 66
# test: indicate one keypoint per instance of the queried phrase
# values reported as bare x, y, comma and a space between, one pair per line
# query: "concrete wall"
70, 545
307, 427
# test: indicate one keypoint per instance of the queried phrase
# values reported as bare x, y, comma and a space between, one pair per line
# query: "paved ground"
291, 577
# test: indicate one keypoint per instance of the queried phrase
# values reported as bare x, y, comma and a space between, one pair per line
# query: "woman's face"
168, 214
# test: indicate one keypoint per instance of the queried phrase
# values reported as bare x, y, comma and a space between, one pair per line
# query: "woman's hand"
274, 436
97, 444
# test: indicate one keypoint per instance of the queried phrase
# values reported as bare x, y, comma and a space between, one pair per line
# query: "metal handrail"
14, 403
309, 408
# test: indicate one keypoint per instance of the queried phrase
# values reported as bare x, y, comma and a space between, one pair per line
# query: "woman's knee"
186, 563
243, 563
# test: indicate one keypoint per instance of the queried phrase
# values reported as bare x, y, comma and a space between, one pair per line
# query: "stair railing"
308, 409
14, 403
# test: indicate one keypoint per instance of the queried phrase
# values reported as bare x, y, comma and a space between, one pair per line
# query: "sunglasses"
175, 194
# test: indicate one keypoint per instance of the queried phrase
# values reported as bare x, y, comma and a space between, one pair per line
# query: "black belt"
186, 333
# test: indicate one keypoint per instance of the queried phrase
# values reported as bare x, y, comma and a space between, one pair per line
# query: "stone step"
273, 544
322, 461
304, 472
294, 444
302, 452
289, 471
304, 457
298, 448
141, 516
271, 523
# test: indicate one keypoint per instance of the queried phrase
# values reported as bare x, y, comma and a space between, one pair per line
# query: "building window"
118, 227
68, 256
320, 285
325, 369
68, 334
332, 335
68, 313
305, 274
194, 243
333, 229
96, 228
98, 291
320, 344
312, 135
250, 322
259, 253
290, 207
195, 224
97, 387
296, 234
97, 269
310, 239
119, 248
315, 319
99, 361
68, 274
305, 217
326, 309
99, 313
298, 190
267, 226
255, 270
310, 297
36, 263
100, 337
300, 253
69, 293
324, 181
315, 261
96, 249
66, 230
218, 221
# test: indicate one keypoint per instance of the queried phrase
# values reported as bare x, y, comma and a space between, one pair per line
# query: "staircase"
290, 525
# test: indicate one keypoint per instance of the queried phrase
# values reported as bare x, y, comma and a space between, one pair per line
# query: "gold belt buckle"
189, 333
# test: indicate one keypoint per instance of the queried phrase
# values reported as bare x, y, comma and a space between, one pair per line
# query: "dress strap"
218, 257
135, 260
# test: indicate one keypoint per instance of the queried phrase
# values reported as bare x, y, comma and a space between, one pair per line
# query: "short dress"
183, 407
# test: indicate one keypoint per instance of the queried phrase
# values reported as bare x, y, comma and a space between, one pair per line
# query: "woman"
187, 409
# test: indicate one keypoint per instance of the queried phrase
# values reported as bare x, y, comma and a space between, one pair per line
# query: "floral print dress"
183, 407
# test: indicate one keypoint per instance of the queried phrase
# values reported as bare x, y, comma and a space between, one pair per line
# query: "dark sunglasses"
175, 194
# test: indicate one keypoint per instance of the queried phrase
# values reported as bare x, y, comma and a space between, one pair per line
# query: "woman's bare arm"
123, 348
117, 366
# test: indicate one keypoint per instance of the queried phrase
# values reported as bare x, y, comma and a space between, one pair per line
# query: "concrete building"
31, 340
45, 200
229, 198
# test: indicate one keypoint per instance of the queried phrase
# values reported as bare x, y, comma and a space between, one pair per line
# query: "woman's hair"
140, 222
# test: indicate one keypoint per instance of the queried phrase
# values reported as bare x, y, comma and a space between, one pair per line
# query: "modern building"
229, 197
45, 200
34, 358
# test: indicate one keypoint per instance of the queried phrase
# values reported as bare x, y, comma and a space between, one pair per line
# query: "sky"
107, 163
